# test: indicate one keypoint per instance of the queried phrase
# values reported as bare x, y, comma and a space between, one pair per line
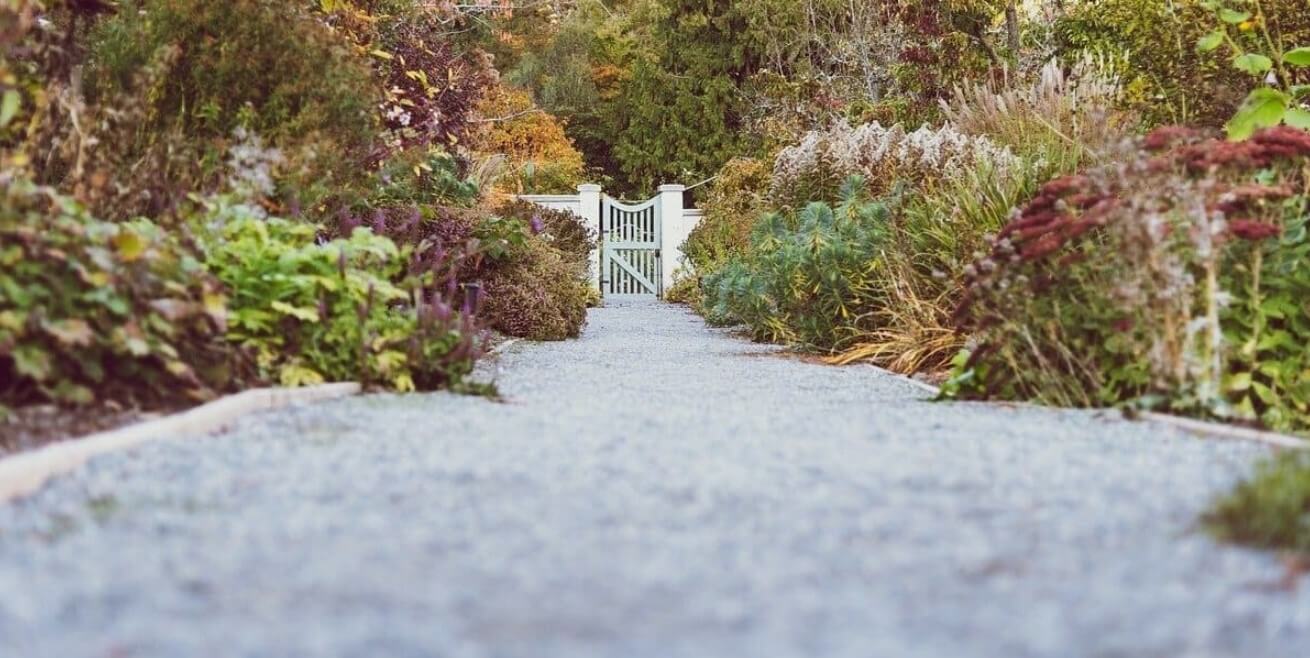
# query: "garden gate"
630, 263
641, 243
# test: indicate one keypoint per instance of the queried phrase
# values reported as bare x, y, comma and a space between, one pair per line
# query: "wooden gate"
630, 261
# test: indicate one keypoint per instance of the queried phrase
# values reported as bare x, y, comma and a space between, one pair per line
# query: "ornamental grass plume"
815, 168
1064, 116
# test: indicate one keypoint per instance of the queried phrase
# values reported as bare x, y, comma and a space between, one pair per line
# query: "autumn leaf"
129, 246
73, 332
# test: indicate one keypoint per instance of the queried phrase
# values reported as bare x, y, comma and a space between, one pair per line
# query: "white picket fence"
640, 243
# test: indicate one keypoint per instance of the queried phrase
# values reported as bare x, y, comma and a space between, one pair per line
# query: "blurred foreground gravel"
656, 489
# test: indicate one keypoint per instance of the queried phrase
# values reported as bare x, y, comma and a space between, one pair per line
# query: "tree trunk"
1012, 27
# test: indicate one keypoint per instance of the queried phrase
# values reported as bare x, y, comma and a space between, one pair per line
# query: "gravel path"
655, 489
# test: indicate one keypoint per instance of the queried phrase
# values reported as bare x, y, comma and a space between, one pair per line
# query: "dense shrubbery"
189, 73
891, 309
347, 122
314, 311
542, 297
539, 287
736, 201
1178, 274
1071, 327
1153, 45
564, 230
99, 310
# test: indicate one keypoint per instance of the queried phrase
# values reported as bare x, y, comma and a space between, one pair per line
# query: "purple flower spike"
348, 221
442, 310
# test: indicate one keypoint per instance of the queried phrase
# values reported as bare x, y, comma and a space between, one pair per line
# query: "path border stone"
26, 472
1190, 425
1220, 430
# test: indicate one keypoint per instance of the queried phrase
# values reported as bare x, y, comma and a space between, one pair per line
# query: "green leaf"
1297, 118
9, 104
33, 362
1264, 108
1210, 41
1253, 63
294, 376
1295, 57
1234, 17
1239, 381
1298, 91
1266, 394
66, 391
303, 313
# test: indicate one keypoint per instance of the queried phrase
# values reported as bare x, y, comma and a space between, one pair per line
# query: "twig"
508, 117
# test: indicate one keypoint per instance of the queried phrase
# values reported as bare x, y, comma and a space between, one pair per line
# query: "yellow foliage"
540, 156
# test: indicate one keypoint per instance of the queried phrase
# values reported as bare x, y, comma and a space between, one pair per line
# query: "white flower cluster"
398, 114
884, 156
252, 166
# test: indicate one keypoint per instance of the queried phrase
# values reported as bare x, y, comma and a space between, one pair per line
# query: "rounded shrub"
539, 295
564, 230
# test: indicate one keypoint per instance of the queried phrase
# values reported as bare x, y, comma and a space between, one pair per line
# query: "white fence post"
589, 200
672, 232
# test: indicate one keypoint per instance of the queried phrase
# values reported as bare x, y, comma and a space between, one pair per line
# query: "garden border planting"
24, 473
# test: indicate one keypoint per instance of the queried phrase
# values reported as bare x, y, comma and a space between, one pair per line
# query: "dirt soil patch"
28, 428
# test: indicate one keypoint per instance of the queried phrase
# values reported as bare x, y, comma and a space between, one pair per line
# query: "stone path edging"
1191, 425
1220, 430
26, 472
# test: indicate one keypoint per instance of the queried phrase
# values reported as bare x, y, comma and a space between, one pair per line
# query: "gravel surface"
655, 489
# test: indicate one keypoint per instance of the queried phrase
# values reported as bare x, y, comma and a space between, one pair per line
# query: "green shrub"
96, 310
17, 85
935, 235
1278, 64
1175, 280
314, 312
807, 279
735, 202
423, 178
1271, 510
